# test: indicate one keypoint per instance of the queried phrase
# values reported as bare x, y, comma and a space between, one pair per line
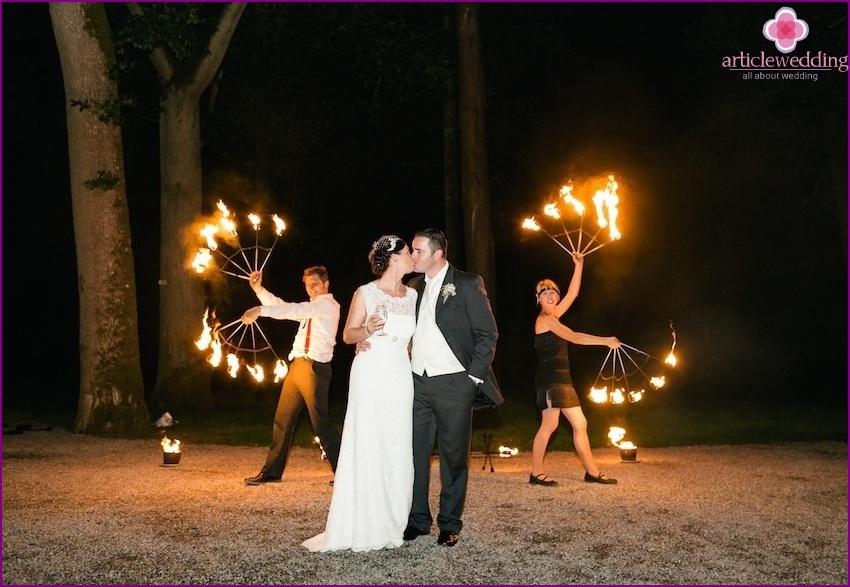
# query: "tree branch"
158, 57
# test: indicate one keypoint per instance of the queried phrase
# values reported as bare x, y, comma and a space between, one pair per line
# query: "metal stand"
488, 456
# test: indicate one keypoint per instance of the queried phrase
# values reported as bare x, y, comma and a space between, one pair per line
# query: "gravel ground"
83, 510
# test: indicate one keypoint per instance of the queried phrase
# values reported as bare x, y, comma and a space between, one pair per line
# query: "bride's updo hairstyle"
379, 256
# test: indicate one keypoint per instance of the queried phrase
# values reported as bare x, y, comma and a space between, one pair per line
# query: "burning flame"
210, 340
318, 441
671, 358
208, 232
256, 372
657, 382
636, 396
552, 210
506, 451
170, 445
203, 343
202, 260
531, 224
616, 434
599, 396
240, 265
232, 364
606, 207
618, 396
567, 195
226, 222
280, 370
571, 240
215, 357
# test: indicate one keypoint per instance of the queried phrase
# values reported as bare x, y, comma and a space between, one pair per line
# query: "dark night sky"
744, 250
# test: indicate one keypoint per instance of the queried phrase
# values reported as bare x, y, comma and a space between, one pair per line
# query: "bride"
373, 484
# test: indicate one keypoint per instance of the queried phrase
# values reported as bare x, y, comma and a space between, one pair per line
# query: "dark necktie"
307, 338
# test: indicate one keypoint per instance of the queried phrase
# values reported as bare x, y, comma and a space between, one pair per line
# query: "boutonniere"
449, 290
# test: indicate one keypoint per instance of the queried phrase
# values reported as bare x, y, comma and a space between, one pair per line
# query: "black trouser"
442, 408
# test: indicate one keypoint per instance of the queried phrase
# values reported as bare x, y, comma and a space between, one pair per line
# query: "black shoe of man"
448, 538
261, 479
411, 533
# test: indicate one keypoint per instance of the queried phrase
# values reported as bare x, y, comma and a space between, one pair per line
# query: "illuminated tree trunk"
112, 399
183, 378
473, 150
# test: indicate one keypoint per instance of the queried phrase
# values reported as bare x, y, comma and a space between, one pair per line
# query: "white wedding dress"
373, 483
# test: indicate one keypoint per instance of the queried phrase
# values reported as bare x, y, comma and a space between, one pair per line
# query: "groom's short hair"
437, 238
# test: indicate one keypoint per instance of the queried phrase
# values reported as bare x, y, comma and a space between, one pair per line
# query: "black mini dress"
552, 380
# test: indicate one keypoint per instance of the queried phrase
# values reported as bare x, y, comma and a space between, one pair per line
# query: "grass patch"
672, 422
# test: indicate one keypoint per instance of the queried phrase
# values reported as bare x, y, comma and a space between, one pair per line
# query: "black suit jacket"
467, 322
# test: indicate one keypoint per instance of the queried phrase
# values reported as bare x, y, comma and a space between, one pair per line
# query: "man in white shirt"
309, 377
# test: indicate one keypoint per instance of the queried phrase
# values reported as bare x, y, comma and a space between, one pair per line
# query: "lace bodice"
401, 314
405, 306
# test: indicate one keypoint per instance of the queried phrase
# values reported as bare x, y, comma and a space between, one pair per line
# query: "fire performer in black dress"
553, 382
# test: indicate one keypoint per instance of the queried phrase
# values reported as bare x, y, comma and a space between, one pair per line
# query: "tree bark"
451, 171
479, 247
112, 399
183, 378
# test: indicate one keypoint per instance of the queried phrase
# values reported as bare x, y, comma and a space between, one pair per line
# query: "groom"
452, 353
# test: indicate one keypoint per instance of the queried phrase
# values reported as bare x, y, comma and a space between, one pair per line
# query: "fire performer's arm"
266, 297
255, 280
578, 337
575, 283
323, 306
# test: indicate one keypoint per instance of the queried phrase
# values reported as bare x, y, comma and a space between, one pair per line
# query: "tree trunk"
473, 149
451, 177
112, 399
183, 378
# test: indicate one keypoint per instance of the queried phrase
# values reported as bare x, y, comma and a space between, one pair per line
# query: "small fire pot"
171, 458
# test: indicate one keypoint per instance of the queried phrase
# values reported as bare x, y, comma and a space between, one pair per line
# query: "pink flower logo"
785, 30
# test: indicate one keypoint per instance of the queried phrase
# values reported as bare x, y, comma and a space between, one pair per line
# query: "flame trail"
236, 339
605, 202
623, 366
671, 358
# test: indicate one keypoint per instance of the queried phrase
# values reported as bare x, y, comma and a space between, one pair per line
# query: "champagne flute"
381, 311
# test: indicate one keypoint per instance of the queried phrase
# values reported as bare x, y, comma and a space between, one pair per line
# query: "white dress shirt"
323, 312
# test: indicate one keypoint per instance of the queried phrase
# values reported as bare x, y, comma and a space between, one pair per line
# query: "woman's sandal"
588, 478
541, 479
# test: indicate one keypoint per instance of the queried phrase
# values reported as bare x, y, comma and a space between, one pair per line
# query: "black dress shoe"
411, 533
260, 479
541, 479
588, 478
448, 538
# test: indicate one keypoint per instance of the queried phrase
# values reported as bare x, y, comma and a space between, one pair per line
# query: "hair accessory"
388, 242
546, 284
